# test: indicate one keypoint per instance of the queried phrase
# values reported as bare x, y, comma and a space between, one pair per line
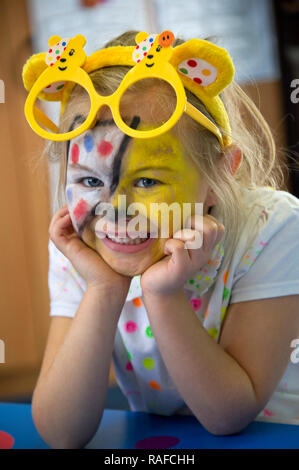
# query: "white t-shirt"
265, 264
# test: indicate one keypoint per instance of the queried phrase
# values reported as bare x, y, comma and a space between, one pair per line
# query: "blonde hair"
260, 166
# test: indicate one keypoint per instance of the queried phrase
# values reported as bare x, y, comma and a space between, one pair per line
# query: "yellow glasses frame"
162, 70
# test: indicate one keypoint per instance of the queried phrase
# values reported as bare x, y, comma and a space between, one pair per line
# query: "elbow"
55, 440
39, 417
227, 426
230, 420
55, 434
226, 430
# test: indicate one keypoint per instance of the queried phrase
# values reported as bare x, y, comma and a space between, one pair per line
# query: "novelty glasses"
66, 66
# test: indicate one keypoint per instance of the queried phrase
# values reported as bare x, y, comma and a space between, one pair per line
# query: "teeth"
127, 241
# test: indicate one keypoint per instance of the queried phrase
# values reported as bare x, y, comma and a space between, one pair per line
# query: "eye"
146, 183
72, 51
92, 182
158, 49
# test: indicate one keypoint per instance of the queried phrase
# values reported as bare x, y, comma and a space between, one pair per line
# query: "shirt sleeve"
270, 267
66, 287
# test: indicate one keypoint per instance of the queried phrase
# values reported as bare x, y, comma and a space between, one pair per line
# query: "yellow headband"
202, 67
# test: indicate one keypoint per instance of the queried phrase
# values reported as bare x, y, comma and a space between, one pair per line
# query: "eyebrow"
151, 168
82, 167
146, 168
79, 118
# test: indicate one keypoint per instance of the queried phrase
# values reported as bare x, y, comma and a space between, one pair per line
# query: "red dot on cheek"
75, 153
104, 148
80, 209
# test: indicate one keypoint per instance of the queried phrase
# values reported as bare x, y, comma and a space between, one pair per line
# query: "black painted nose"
62, 60
150, 56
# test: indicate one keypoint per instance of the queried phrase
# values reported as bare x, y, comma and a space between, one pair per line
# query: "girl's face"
104, 164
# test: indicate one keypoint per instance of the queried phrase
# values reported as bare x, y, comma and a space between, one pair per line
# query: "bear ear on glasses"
63, 54
206, 69
204, 66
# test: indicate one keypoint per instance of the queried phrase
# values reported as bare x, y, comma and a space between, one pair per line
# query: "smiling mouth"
149, 65
62, 68
126, 245
127, 240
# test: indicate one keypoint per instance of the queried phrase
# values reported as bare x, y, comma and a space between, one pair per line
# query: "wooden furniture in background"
24, 302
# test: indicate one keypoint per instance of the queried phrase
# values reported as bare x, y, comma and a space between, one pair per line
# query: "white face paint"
93, 170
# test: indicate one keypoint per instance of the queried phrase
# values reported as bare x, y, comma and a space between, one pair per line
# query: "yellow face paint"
162, 160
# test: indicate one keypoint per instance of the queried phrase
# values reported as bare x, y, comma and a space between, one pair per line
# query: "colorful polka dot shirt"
265, 264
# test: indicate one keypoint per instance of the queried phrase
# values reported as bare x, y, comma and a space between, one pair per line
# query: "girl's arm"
225, 385
70, 393
69, 397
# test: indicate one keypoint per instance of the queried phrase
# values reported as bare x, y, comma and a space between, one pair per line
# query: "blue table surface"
123, 429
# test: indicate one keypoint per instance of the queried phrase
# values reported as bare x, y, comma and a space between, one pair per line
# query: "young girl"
204, 331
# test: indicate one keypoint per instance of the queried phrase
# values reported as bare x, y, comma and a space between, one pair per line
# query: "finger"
58, 214
207, 232
186, 234
204, 225
176, 249
191, 238
220, 233
59, 223
64, 225
62, 231
201, 257
196, 221
213, 219
192, 241
212, 232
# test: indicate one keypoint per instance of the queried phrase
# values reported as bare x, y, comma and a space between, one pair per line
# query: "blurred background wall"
262, 38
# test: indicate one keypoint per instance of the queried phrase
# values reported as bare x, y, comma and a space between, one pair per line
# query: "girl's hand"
171, 273
86, 261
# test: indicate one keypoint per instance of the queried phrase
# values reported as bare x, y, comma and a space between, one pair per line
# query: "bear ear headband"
198, 65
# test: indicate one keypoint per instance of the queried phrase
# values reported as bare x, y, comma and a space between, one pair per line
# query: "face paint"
75, 153
111, 164
88, 142
162, 159
81, 210
173, 178
104, 148
92, 171
69, 196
